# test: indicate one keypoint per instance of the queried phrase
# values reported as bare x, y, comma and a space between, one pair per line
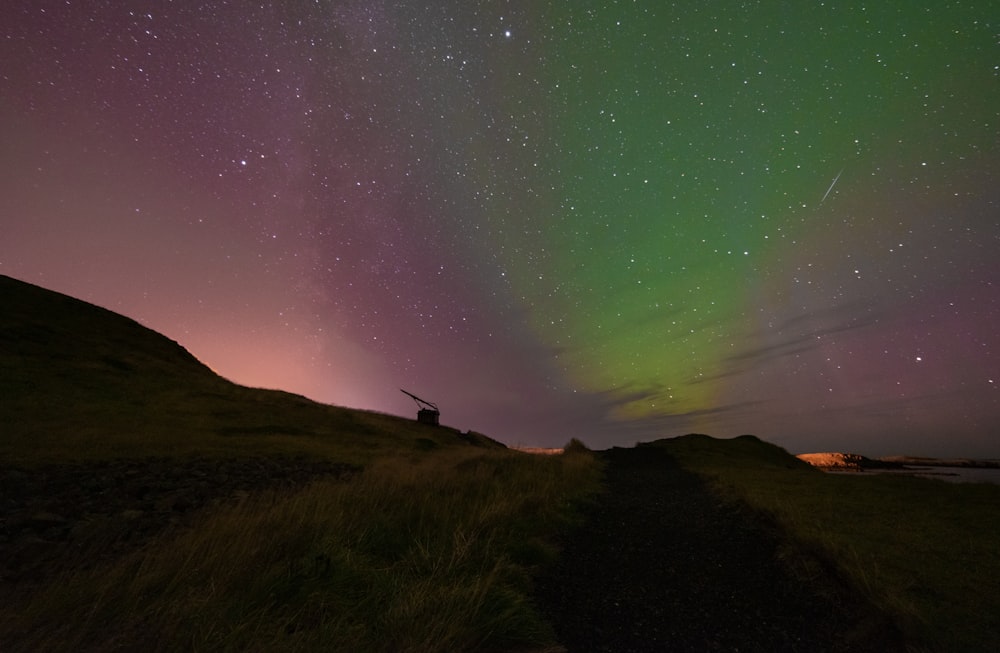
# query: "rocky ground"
662, 564
51, 517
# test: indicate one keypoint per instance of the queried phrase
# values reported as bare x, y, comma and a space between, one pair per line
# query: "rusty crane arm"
420, 402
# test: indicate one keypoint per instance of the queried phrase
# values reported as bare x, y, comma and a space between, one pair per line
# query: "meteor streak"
832, 184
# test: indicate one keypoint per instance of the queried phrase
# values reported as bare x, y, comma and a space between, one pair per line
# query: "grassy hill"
82, 382
149, 504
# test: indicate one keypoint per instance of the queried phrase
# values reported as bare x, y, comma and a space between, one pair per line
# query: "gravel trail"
662, 564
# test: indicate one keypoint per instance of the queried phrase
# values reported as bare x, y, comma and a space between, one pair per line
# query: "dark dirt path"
661, 564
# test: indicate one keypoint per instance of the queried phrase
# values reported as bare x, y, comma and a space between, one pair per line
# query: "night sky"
611, 220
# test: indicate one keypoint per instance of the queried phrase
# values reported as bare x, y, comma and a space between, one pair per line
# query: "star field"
614, 221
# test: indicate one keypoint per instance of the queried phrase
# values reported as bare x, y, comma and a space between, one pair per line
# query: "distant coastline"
849, 461
947, 469
943, 462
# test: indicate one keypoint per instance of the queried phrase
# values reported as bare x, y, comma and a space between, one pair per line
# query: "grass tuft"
575, 446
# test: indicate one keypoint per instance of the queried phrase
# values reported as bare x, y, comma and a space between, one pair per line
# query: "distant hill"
741, 451
80, 381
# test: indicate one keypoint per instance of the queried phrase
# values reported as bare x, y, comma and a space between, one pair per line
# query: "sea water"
950, 474
961, 474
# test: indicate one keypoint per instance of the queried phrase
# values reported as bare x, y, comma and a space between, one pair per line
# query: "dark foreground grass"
428, 553
925, 551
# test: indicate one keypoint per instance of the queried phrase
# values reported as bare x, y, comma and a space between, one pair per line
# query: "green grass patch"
431, 552
925, 551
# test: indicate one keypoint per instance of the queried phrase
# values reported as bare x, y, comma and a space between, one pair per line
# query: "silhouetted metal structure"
428, 413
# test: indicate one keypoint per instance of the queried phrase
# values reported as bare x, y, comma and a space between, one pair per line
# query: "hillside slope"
83, 382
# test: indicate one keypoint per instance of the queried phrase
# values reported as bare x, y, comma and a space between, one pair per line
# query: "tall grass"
925, 551
415, 554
